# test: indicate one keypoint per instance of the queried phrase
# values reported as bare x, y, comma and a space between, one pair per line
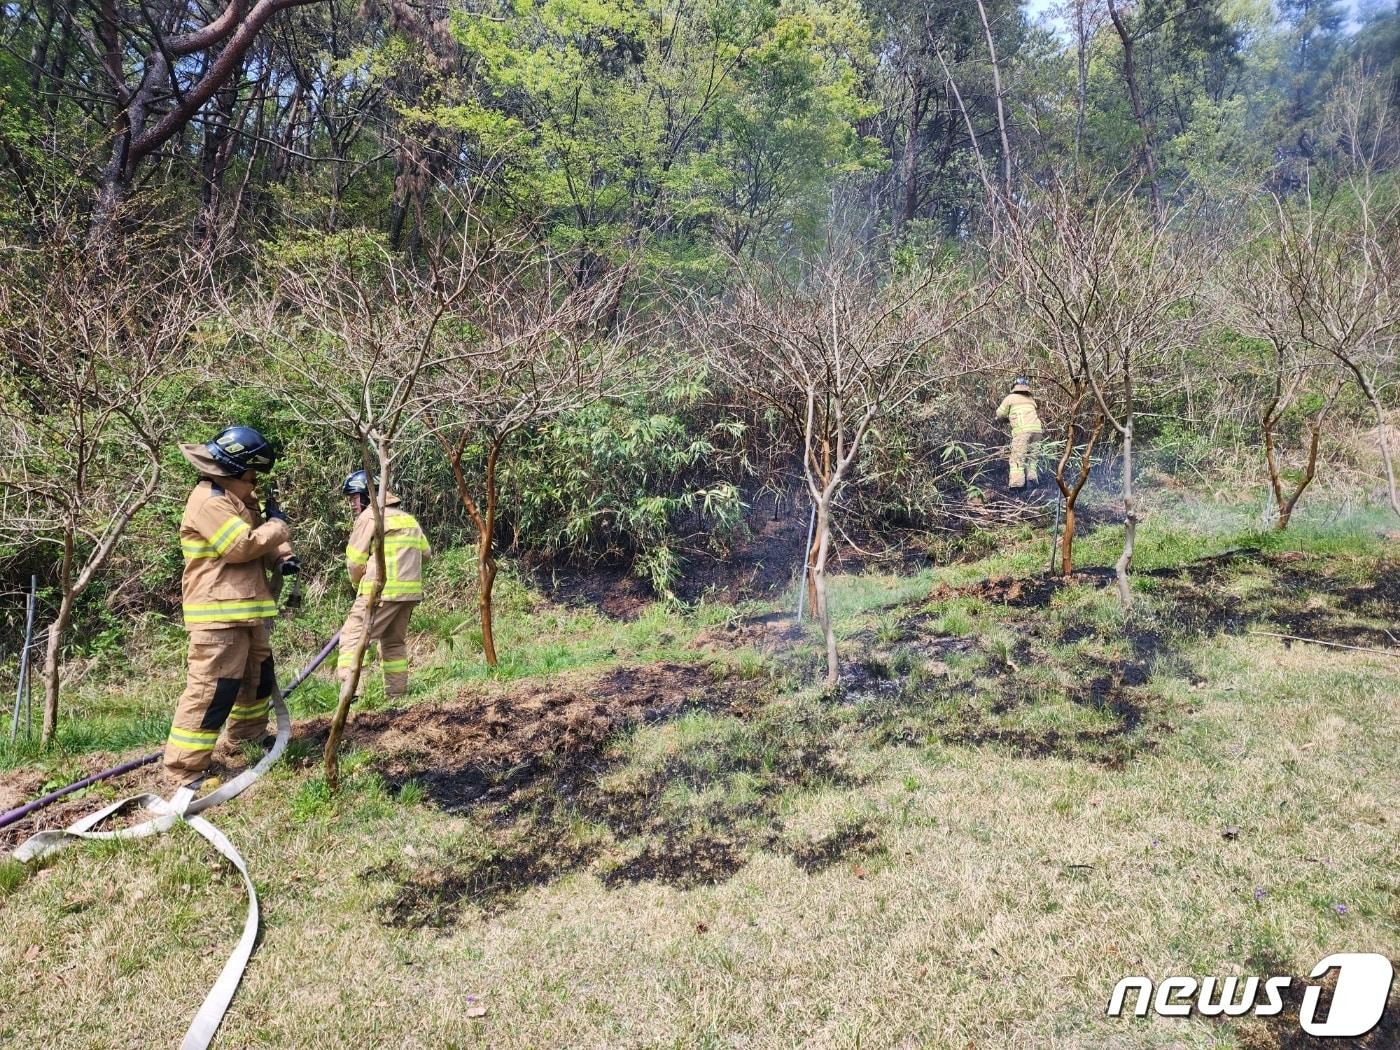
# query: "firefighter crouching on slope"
228, 601
405, 551
1019, 407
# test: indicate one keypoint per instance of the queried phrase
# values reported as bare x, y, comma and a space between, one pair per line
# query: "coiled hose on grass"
19, 813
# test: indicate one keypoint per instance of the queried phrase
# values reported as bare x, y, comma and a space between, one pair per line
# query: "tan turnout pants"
230, 681
1025, 448
390, 630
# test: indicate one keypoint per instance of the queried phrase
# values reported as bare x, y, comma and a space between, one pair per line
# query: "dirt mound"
553, 792
1020, 592
488, 747
452, 749
769, 633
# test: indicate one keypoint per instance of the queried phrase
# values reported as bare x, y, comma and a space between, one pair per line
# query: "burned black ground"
903, 689
588, 805
565, 795
1283, 1031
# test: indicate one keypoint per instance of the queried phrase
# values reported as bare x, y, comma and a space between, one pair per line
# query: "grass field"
656, 834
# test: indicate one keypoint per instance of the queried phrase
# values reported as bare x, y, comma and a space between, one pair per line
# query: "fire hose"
15, 815
184, 807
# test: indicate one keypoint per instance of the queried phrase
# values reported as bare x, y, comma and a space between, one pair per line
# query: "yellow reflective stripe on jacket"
193, 739
228, 534
198, 549
234, 609
356, 556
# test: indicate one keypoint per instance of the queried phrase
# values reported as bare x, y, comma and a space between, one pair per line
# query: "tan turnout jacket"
1020, 409
229, 551
405, 550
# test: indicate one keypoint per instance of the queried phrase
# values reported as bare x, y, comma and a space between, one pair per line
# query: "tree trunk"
908, 205
1125, 560
331, 758
485, 530
1267, 420
1284, 503
144, 123
1149, 157
486, 576
822, 606
221, 137
1382, 439
486, 559
1070, 493
1001, 109
55, 637
111, 192
1067, 541
1081, 83
111, 185
52, 644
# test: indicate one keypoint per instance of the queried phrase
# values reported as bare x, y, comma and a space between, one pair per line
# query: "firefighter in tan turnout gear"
228, 601
405, 551
1019, 407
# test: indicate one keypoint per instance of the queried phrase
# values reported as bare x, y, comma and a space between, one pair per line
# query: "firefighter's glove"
290, 566
274, 512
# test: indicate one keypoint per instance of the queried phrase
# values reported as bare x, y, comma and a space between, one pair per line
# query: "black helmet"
1020, 385
237, 449
355, 485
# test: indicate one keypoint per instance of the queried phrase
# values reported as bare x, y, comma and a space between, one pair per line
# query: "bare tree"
351, 331
1260, 296
1111, 292
93, 361
1046, 340
833, 349
537, 350
1341, 282
1285, 392
1339, 256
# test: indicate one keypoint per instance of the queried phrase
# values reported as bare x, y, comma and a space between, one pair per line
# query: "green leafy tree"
616, 121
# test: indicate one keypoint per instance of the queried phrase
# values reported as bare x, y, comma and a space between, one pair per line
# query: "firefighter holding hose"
1020, 409
405, 550
234, 557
